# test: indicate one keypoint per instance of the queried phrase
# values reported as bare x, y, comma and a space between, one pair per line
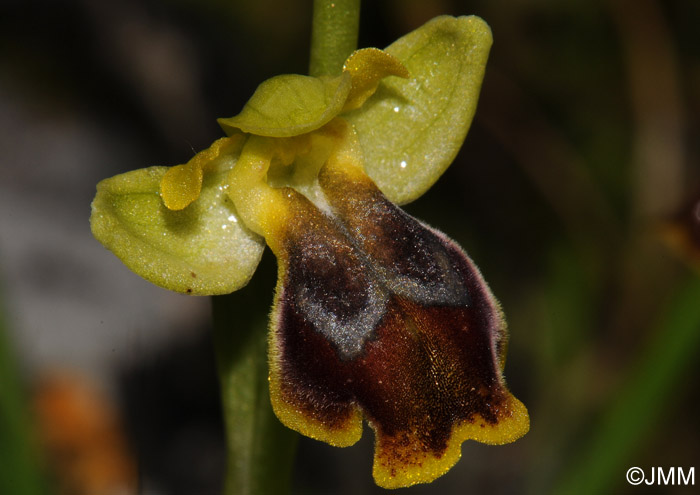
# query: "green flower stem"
334, 32
19, 460
602, 463
260, 450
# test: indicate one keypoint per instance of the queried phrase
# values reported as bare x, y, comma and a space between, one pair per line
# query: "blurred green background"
584, 142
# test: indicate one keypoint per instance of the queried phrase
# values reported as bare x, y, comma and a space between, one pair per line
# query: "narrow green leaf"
411, 129
289, 105
653, 387
20, 472
203, 249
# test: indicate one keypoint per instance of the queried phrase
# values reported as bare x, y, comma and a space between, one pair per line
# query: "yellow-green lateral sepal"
202, 249
289, 105
411, 129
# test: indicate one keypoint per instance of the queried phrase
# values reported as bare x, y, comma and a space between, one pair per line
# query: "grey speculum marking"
414, 261
428, 275
341, 280
336, 291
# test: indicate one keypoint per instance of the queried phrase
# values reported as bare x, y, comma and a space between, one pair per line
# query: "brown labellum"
380, 316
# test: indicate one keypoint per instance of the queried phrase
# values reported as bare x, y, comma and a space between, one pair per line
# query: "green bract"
410, 129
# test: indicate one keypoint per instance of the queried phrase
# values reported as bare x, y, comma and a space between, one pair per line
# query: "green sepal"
289, 105
201, 250
411, 129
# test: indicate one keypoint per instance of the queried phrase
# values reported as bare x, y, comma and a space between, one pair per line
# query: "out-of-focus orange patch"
682, 231
82, 437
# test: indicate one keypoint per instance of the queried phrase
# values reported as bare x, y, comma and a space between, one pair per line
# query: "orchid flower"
377, 316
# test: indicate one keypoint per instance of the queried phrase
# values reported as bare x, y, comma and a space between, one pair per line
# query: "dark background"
584, 142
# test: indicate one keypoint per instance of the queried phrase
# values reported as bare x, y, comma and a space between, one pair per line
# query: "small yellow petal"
367, 67
182, 184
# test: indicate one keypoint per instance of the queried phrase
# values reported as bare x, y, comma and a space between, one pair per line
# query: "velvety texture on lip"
379, 316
